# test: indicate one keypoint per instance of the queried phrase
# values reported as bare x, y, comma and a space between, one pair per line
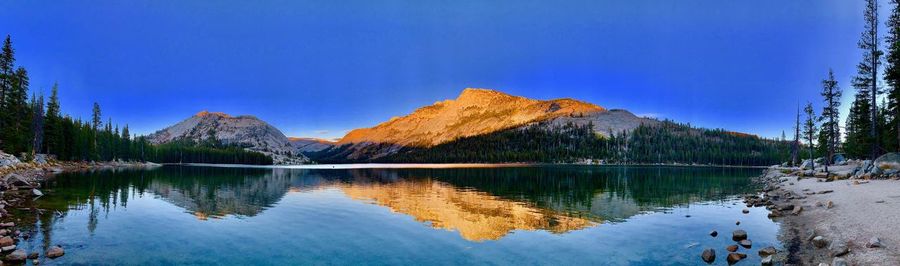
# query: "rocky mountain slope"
310, 144
477, 112
245, 131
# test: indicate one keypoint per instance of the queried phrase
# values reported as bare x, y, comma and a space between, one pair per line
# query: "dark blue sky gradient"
319, 68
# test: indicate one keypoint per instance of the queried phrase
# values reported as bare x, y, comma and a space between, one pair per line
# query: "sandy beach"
847, 215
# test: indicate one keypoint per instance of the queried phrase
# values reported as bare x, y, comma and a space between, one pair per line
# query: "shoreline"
444, 165
20, 186
847, 221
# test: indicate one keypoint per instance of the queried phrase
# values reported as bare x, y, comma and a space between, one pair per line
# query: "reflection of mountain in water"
480, 203
476, 215
246, 195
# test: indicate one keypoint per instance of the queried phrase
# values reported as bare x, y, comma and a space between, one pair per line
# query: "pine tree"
795, 147
7, 61
830, 116
37, 123
53, 128
810, 129
17, 114
892, 72
867, 69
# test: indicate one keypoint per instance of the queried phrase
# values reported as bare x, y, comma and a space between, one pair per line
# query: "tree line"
871, 128
30, 126
665, 142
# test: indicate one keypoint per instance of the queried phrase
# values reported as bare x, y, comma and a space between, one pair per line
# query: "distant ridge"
477, 112
245, 131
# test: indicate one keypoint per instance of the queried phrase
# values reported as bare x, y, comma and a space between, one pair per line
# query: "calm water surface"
544, 215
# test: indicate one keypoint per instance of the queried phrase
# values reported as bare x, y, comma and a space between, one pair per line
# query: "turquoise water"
544, 215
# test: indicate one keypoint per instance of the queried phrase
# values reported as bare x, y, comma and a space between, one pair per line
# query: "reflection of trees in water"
607, 193
481, 203
204, 191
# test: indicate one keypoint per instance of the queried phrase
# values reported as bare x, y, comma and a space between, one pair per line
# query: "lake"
523, 215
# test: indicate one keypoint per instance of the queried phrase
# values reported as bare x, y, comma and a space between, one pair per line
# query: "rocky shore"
20, 183
847, 216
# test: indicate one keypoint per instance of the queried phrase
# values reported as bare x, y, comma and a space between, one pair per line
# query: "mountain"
477, 112
310, 144
245, 131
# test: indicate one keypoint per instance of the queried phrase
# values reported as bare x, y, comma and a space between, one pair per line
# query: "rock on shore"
21, 182
850, 213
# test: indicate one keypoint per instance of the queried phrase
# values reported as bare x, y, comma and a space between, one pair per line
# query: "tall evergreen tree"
867, 76
37, 124
892, 72
53, 128
7, 61
17, 114
795, 146
831, 94
810, 129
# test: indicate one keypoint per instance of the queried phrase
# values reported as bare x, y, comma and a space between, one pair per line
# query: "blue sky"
319, 68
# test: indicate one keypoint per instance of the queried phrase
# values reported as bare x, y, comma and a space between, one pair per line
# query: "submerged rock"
18, 255
709, 255
734, 257
732, 248
55, 252
714, 233
767, 251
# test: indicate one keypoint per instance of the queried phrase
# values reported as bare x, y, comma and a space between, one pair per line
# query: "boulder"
838, 249
767, 251
746, 243
786, 207
874, 242
17, 180
18, 255
36, 192
839, 159
708, 255
745, 210
732, 248
766, 260
807, 165
7, 160
888, 161
738, 235
819, 241
55, 252
40, 159
8, 248
714, 233
6, 241
797, 210
33, 255
839, 262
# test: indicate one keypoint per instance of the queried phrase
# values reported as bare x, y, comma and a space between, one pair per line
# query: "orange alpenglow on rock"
477, 216
474, 112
